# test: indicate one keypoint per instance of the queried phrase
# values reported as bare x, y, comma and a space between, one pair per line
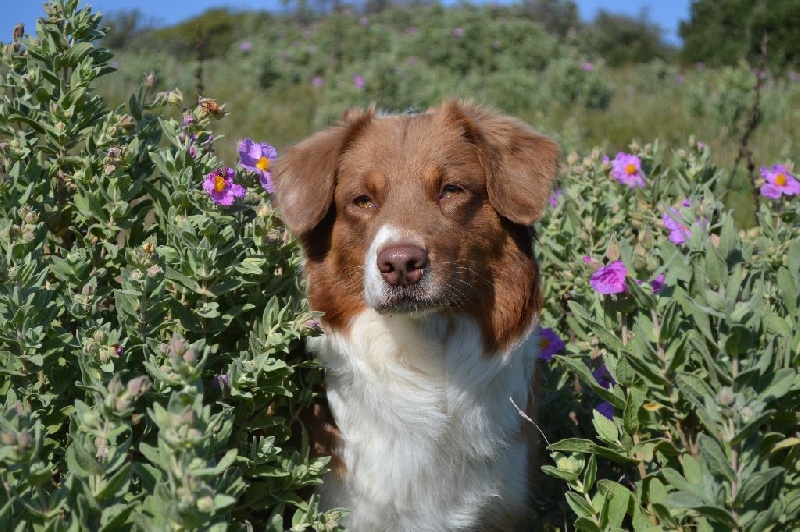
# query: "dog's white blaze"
430, 438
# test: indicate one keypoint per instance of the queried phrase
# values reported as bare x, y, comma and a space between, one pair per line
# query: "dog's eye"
363, 202
450, 190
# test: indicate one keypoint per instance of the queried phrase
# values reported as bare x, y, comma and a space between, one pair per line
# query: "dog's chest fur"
430, 438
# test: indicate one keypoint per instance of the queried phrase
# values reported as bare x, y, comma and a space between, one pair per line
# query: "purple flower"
587, 66
318, 82
220, 186
245, 46
603, 377
550, 343
257, 157
358, 81
610, 279
188, 120
679, 79
587, 259
557, 193
678, 232
220, 382
627, 169
412, 30
458, 32
657, 283
780, 182
606, 409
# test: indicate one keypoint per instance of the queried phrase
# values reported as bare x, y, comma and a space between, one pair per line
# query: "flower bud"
139, 385
613, 252
572, 158
725, 396
189, 356
150, 80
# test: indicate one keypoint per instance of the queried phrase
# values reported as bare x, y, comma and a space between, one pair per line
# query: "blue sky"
665, 13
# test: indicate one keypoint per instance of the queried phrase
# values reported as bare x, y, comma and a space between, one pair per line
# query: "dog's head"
419, 213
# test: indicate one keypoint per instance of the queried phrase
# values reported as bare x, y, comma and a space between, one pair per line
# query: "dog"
417, 237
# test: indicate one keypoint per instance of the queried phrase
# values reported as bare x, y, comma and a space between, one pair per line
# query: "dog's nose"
402, 265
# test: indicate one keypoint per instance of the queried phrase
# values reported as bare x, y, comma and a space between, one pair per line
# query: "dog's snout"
402, 265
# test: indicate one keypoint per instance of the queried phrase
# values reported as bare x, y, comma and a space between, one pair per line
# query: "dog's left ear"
520, 163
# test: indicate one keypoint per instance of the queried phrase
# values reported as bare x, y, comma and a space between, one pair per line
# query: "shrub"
687, 402
149, 338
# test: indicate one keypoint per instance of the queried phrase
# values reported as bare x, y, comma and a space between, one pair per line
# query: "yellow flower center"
544, 343
263, 164
630, 168
219, 182
780, 180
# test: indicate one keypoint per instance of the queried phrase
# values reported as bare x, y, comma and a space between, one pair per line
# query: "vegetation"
151, 358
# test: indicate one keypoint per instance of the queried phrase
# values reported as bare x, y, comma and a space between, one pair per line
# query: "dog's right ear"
305, 177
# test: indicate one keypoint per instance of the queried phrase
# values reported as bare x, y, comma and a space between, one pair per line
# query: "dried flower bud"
613, 252
150, 80
210, 107
19, 31
725, 396
572, 158
99, 336
154, 270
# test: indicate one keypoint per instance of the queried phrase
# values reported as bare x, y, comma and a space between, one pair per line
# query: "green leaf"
116, 484
606, 429
579, 505
788, 290
81, 461
715, 457
779, 384
576, 445
590, 474
682, 499
618, 500
567, 476
586, 525
754, 484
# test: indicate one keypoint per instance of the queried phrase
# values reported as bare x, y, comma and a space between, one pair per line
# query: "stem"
735, 453
750, 126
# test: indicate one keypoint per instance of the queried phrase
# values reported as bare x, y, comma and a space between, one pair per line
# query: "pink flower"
220, 186
318, 82
627, 169
673, 222
780, 182
458, 32
258, 157
358, 81
587, 66
610, 279
550, 343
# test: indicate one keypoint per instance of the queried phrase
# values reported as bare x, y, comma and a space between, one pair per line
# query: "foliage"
150, 357
701, 351
724, 32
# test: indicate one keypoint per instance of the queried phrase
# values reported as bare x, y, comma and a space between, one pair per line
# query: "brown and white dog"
418, 248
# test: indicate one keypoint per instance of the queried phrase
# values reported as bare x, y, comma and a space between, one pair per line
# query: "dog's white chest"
430, 437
